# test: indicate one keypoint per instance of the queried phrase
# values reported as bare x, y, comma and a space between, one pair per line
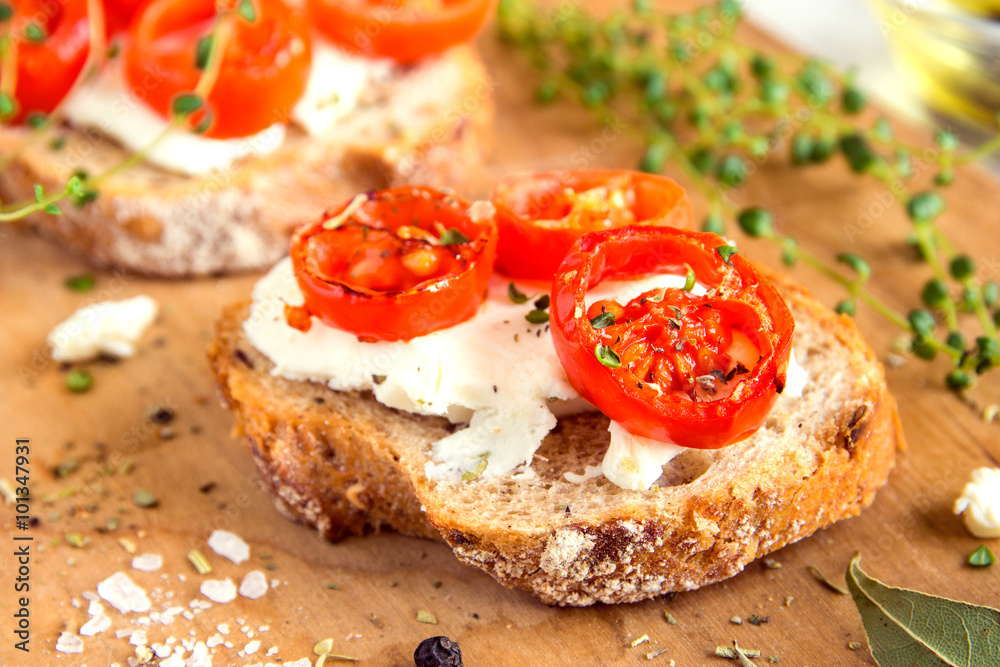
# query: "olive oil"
951, 50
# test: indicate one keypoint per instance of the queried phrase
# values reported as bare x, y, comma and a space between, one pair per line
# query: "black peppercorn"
438, 652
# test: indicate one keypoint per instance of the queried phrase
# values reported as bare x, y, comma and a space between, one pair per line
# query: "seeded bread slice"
428, 124
344, 463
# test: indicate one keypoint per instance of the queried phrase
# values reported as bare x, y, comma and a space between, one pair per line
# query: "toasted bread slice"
429, 124
344, 463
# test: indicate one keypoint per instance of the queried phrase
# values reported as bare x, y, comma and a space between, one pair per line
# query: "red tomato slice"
540, 216
264, 70
699, 371
395, 264
405, 30
52, 41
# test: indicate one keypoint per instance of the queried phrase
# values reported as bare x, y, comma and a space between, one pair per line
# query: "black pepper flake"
494, 389
319, 400
438, 652
378, 379
162, 416
242, 357
757, 620
208, 487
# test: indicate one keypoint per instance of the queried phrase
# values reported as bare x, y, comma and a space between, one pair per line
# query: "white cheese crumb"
252, 647
147, 562
121, 593
633, 462
108, 327
138, 638
254, 585
272, 651
223, 628
214, 640
69, 643
161, 650
229, 545
980, 503
219, 590
301, 662
124, 632
97, 623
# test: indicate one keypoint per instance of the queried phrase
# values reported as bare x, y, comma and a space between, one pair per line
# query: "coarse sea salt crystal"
229, 545
121, 593
254, 585
161, 650
214, 640
200, 657
69, 643
147, 562
219, 590
252, 647
175, 660
301, 662
138, 638
223, 628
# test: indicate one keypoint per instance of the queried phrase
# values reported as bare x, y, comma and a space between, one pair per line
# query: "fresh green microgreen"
516, 295
82, 282
79, 380
726, 252
36, 120
689, 280
453, 237
186, 103
203, 50
602, 321
857, 263
247, 11
7, 105
35, 33
542, 302
982, 557
39, 193
537, 316
756, 222
6, 12
607, 356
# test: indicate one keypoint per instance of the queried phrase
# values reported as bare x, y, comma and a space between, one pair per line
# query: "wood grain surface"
365, 593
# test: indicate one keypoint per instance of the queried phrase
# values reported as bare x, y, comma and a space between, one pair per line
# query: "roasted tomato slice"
699, 371
50, 41
119, 13
264, 69
539, 216
395, 264
404, 30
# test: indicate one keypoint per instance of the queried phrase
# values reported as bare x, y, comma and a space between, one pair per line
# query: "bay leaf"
911, 629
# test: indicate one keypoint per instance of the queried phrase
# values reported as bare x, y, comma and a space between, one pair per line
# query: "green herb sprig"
82, 188
714, 107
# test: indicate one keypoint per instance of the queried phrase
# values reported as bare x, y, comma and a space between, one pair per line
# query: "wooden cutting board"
365, 593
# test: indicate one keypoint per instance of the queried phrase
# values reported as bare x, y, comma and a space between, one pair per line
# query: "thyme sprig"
82, 188
716, 107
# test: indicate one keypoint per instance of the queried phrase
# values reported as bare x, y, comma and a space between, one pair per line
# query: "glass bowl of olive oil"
951, 51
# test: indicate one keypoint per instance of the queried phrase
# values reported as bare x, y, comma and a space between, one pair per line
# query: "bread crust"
713, 513
153, 222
